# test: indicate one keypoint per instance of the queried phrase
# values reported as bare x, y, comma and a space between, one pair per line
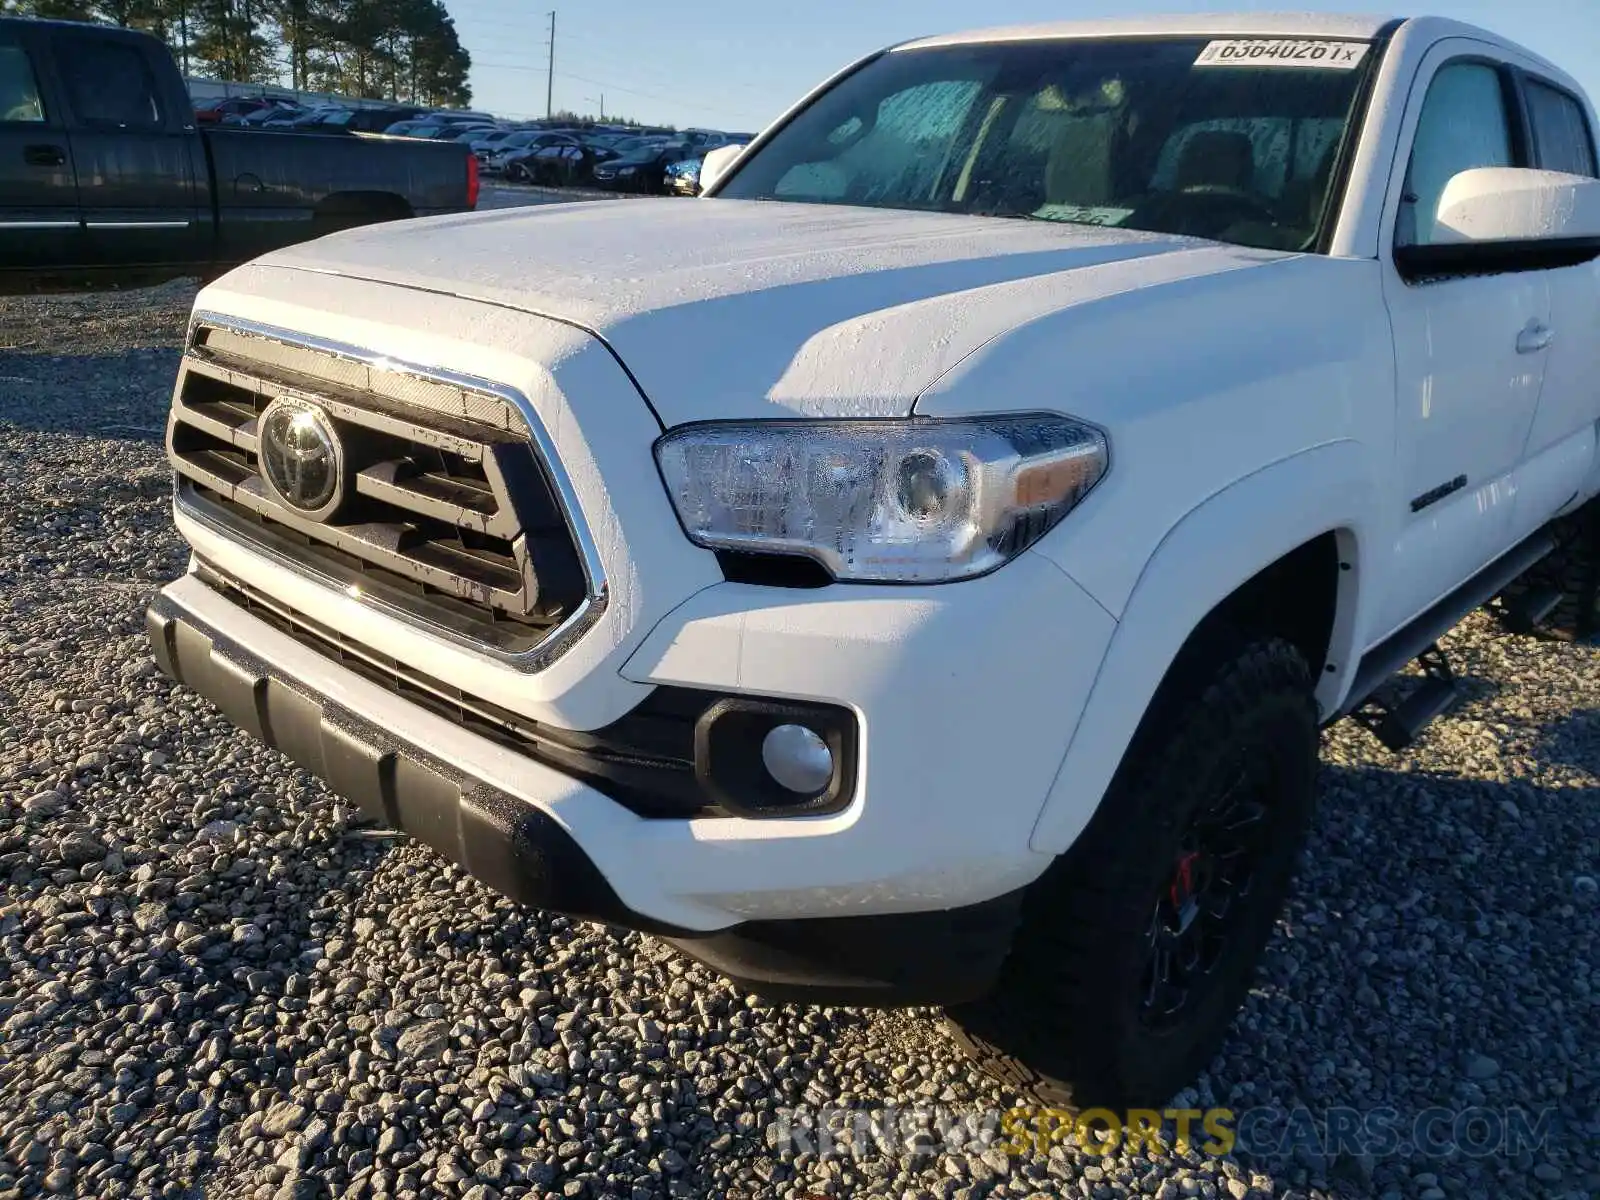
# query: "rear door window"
1561, 131
108, 83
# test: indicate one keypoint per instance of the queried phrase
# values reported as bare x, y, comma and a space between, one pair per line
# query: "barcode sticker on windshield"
1263, 52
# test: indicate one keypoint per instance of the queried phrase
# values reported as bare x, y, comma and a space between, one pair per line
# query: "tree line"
404, 50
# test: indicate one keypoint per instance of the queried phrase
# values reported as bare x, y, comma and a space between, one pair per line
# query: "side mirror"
1508, 219
715, 165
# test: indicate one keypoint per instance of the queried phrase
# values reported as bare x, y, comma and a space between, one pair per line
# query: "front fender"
1218, 546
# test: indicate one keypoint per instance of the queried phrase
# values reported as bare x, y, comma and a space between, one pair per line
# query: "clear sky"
736, 64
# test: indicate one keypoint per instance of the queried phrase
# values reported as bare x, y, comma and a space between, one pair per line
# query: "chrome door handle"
1536, 337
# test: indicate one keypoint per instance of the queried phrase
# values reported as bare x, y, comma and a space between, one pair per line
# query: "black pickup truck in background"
107, 180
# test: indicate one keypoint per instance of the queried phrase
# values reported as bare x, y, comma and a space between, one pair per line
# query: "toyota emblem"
302, 460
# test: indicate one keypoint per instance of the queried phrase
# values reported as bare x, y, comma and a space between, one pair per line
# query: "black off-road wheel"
1138, 945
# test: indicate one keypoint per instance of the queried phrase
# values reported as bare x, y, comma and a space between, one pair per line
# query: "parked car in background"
459, 131
689, 177
315, 113
349, 120
426, 131
512, 160
464, 118
216, 111
325, 118
644, 170
481, 142
276, 107
566, 162
378, 120
443, 126
683, 177
470, 135
407, 128
495, 158
634, 143
708, 139
170, 198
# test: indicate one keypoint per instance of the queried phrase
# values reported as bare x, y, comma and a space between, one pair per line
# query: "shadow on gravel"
1415, 982
1571, 741
120, 397
16, 367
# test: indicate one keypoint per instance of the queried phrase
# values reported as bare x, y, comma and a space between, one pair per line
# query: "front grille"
452, 518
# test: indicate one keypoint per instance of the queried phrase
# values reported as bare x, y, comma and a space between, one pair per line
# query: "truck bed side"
272, 189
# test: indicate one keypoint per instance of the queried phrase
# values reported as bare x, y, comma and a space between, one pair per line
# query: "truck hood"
725, 308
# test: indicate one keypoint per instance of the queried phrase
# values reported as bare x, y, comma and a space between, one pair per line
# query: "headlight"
919, 500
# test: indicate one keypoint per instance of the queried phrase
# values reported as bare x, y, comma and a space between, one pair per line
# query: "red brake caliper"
1184, 879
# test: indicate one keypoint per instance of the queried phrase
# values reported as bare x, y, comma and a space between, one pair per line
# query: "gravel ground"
210, 985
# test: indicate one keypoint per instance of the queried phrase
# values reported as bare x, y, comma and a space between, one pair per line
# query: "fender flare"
1218, 546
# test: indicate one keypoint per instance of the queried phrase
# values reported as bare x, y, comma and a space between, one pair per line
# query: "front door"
40, 225
1470, 351
134, 159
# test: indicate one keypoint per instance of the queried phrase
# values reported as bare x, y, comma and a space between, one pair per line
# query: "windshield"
1233, 140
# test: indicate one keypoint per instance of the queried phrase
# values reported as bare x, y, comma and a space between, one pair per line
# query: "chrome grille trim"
483, 409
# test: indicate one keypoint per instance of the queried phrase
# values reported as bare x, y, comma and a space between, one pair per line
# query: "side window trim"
1525, 79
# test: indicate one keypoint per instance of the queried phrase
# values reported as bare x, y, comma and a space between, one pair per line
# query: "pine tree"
374, 49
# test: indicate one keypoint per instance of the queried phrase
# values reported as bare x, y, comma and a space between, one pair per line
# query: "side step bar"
1398, 725
1398, 721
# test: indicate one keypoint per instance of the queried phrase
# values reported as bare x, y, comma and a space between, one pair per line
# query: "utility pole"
550, 75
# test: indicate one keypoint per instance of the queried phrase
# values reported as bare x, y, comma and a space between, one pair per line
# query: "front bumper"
907, 896
403, 767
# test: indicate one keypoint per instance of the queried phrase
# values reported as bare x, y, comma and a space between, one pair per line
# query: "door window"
1561, 131
1463, 126
108, 83
19, 91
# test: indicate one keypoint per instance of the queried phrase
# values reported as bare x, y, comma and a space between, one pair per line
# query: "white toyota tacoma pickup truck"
918, 573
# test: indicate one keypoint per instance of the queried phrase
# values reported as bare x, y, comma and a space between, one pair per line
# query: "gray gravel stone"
43, 804
429, 1039
1481, 1067
284, 1117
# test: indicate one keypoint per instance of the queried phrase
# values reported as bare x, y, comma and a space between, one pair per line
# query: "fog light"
797, 758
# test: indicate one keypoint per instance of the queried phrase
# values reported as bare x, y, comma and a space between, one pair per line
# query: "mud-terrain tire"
1225, 758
